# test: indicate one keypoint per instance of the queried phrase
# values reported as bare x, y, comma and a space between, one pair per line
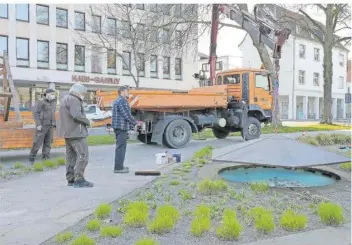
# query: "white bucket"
132, 135
161, 158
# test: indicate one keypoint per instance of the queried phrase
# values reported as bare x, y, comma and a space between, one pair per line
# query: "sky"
229, 38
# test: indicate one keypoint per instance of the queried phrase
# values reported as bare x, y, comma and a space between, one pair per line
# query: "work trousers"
77, 157
120, 150
42, 138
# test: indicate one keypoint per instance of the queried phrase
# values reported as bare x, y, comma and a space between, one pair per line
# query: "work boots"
82, 184
125, 170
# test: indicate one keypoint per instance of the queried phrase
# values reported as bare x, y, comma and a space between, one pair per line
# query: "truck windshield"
90, 109
262, 81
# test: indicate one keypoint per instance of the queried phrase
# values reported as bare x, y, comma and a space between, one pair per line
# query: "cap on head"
49, 90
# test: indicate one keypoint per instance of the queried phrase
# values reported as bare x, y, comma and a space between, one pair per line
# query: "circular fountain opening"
279, 177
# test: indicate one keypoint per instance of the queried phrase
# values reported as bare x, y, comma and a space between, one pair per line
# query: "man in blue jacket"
122, 122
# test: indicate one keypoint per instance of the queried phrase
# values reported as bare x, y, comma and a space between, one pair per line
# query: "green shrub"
325, 139
291, 221
93, 225
111, 231
230, 228
147, 241
64, 237
341, 139
83, 240
259, 187
264, 220
205, 152
346, 166
308, 140
103, 211
174, 182
201, 222
211, 187
137, 214
330, 214
49, 164
185, 195
38, 167
165, 219
60, 161
18, 166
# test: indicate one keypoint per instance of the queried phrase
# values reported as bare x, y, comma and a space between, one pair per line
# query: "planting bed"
258, 215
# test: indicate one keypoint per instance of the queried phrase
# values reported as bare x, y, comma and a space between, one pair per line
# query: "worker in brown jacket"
44, 117
72, 125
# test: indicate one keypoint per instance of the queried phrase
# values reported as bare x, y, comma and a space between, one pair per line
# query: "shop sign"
88, 79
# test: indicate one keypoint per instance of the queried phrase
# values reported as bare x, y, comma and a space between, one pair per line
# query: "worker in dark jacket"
122, 122
44, 117
72, 125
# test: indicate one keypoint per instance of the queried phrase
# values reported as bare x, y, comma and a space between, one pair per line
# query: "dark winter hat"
123, 88
49, 90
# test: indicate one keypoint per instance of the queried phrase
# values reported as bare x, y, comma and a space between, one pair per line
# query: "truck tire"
254, 129
221, 133
141, 138
177, 134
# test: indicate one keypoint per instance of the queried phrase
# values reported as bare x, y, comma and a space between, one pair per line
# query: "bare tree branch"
342, 39
321, 7
316, 24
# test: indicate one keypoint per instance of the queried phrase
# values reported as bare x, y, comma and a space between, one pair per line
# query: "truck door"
262, 91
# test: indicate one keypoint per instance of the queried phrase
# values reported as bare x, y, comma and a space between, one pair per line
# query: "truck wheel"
141, 138
254, 129
221, 133
177, 134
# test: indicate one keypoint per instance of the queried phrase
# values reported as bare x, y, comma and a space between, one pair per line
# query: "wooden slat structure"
13, 135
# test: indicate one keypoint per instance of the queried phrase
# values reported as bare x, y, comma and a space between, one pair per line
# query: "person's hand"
39, 128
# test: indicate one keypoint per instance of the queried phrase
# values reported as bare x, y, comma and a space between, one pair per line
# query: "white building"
44, 47
222, 63
301, 75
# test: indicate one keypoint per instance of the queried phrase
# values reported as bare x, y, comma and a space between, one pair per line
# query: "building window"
316, 79
178, 9
140, 31
348, 90
178, 68
140, 6
96, 61
341, 60
61, 56
4, 11
111, 61
302, 51
178, 37
42, 14
80, 58
61, 18
80, 21
205, 67
125, 29
22, 12
153, 8
43, 54
301, 77
341, 83
166, 36
166, 67
96, 28
316, 54
22, 52
166, 9
141, 64
3, 45
218, 66
154, 34
154, 66
111, 26
126, 62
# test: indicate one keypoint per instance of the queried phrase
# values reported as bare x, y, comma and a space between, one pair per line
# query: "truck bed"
170, 101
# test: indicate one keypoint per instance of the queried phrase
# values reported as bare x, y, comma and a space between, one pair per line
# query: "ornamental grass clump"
165, 219
93, 225
60, 161
202, 220
83, 240
147, 241
103, 211
263, 219
111, 231
64, 237
230, 228
259, 187
49, 164
38, 167
137, 214
330, 214
209, 187
291, 221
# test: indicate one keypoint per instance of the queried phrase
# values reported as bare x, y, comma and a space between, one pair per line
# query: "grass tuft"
204, 153
263, 219
111, 231
330, 214
147, 241
308, 140
60, 161
83, 240
103, 211
174, 182
325, 139
93, 225
185, 195
346, 166
259, 187
137, 214
165, 219
211, 187
19, 165
49, 164
38, 167
64, 237
291, 221
230, 228
202, 220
